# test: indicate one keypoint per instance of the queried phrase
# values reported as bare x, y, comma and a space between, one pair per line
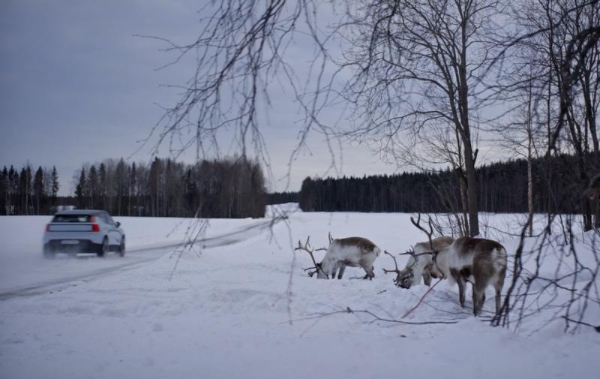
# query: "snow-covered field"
238, 305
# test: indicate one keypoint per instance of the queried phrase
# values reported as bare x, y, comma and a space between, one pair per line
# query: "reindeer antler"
396, 270
428, 232
306, 247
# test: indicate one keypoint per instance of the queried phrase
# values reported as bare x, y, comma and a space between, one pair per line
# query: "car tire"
122, 247
104, 248
48, 252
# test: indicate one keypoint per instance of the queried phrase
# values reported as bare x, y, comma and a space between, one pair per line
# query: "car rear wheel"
104, 248
122, 247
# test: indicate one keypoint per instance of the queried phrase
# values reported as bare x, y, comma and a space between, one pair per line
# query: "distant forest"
236, 188
502, 188
230, 188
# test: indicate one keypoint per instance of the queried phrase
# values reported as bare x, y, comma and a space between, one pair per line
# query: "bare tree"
524, 134
419, 67
241, 58
559, 44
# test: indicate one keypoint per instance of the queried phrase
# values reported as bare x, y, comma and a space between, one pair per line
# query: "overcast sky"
78, 86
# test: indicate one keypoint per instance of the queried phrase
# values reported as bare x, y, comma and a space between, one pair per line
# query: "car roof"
80, 212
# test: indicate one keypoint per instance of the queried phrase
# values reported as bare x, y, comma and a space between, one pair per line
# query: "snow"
239, 305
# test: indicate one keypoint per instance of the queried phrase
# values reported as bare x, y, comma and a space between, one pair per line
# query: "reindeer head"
320, 272
317, 268
406, 277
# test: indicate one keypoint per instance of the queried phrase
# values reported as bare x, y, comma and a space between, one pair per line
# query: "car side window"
108, 219
102, 218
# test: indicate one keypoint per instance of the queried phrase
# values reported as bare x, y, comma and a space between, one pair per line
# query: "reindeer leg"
427, 274
478, 296
460, 280
498, 301
370, 273
342, 269
498, 287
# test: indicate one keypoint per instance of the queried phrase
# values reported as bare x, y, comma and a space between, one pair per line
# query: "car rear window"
72, 218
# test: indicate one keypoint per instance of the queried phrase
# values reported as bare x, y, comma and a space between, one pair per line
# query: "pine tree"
93, 188
155, 186
4, 193
132, 200
55, 188
120, 185
24, 190
38, 190
80, 189
13, 190
102, 195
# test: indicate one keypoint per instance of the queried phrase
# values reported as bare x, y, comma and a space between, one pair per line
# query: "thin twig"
376, 318
596, 328
421, 299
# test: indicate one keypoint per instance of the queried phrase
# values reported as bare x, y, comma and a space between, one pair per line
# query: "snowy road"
49, 275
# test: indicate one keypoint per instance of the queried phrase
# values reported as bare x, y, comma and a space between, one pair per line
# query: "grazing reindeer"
480, 261
342, 252
421, 258
420, 263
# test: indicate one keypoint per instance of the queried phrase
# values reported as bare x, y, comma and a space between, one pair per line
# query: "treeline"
229, 188
235, 188
503, 188
283, 197
27, 192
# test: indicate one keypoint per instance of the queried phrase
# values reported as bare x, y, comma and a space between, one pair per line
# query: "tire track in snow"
62, 283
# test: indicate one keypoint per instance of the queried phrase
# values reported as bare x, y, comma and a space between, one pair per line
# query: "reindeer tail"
377, 251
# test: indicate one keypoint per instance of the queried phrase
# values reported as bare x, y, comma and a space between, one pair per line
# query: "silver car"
83, 231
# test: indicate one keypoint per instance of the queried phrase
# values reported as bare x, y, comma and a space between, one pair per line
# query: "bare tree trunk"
471, 190
597, 213
529, 163
549, 201
530, 189
465, 229
465, 130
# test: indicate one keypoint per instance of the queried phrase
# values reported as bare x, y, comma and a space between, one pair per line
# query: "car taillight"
47, 227
95, 228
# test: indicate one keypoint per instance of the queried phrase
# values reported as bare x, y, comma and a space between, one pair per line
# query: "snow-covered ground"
239, 305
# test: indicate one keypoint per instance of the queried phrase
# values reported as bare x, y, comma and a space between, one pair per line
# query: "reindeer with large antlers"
342, 252
479, 261
420, 263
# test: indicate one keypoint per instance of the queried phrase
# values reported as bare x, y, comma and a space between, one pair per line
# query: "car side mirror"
118, 224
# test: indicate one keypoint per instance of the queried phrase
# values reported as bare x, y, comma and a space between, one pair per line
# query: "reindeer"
420, 263
479, 261
342, 252
421, 258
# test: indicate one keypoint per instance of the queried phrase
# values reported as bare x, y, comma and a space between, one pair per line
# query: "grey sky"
77, 86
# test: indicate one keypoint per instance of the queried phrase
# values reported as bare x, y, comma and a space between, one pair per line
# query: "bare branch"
375, 317
421, 299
